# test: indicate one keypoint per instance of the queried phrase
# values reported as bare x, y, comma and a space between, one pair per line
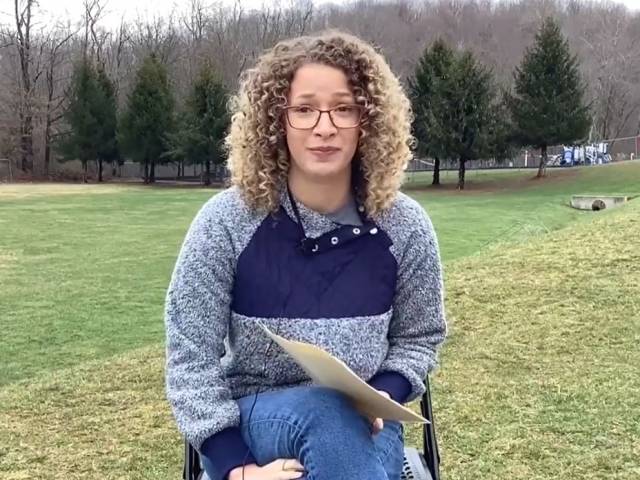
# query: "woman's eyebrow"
335, 94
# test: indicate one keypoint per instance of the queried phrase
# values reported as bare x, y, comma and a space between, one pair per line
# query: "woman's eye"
302, 109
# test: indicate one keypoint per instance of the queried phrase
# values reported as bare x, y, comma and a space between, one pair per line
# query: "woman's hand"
377, 424
280, 469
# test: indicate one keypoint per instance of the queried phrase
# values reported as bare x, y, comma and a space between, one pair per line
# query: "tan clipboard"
329, 371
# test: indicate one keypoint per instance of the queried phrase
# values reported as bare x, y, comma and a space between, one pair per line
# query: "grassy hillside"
512, 206
84, 268
538, 377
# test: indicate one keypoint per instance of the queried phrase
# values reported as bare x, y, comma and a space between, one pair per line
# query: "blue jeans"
319, 427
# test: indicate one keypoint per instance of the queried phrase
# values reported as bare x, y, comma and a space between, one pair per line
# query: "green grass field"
538, 376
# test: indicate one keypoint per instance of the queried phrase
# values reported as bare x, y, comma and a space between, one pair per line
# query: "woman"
315, 241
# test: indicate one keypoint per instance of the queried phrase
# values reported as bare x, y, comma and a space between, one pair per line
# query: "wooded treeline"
205, 41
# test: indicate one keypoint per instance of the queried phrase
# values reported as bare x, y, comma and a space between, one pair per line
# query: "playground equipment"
590, 154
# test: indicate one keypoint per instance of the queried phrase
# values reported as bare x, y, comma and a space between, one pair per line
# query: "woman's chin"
326, 168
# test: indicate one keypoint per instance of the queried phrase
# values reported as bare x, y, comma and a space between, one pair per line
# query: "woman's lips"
323, 152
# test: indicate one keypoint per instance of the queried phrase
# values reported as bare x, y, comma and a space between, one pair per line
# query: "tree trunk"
152, 177
461, 172
542, 168
146, 171
84, 171
47, 151
99, 170
436, 172
26, 142
207, 175
23, 19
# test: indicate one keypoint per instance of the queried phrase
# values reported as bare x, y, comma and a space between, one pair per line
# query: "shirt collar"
314, 223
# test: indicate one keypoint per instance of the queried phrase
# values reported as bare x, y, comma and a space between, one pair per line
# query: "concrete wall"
596, 202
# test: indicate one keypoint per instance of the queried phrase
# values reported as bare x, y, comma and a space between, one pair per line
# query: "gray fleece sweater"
370, 294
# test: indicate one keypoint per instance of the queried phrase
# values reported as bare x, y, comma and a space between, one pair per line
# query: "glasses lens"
302, 117
346, 116
343, 116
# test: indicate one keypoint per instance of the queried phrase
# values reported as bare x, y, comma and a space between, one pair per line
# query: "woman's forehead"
317, 81
336, 95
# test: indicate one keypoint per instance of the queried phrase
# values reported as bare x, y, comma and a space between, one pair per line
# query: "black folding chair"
423, 465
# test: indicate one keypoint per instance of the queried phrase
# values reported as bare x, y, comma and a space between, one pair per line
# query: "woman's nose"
325, 126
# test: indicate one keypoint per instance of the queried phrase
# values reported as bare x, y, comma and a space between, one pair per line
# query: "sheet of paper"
329, 371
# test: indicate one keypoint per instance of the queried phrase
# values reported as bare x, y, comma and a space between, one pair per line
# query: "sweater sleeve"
197, 310
418, 324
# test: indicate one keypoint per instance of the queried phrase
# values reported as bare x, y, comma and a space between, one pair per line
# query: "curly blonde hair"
258, 156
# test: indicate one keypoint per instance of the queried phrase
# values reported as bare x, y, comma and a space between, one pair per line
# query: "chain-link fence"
6, 170
611, 150
605, 151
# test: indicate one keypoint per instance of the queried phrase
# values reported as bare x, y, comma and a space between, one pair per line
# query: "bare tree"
117, 60
157, 36
93, 13
23, 11
54, 93
196, 22
227, 35
613, 68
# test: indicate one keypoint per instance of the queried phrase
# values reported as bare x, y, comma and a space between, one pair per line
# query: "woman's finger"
377, 426
291, 475
294, 464
289, 468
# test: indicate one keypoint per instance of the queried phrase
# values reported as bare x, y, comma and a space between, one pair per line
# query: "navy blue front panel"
274, 278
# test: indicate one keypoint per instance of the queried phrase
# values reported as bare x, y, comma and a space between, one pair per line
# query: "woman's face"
322, 87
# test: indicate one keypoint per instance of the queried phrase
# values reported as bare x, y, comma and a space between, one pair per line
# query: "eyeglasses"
306, 117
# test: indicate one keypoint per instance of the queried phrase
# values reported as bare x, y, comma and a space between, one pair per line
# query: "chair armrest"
429, 440
192, 469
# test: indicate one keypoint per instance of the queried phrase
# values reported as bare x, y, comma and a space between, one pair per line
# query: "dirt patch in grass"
7, 259
495, 181
26, 190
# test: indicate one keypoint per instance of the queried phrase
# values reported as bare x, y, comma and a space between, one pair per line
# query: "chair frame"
431, 455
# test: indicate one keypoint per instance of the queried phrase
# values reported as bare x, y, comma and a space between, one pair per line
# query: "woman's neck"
323, 196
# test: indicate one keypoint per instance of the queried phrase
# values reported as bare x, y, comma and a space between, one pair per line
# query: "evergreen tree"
203, 124
84, 136
208, 106
180, 142
471, 104
548, 102
148, 118
430, 92
107, 150
501, 145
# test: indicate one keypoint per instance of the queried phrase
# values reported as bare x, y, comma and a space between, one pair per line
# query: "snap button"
315, 248
356, 231
334, 240
373, 231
